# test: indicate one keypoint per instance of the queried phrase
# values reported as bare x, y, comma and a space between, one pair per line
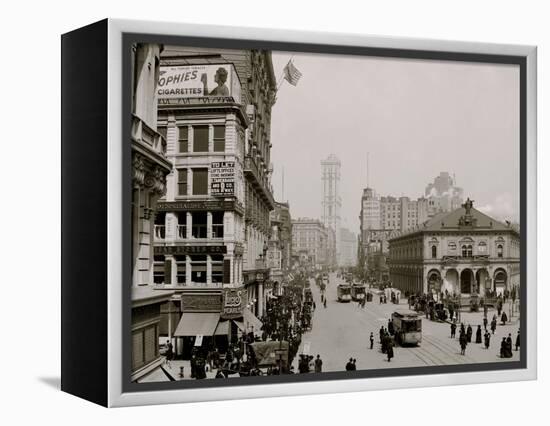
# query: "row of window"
200, 182
199, 225
467, 249
200, 139
198, 263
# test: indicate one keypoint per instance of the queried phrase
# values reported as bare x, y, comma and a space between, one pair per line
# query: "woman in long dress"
478, 334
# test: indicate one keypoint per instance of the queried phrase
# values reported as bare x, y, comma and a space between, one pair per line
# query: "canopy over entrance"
195, 324
250, 320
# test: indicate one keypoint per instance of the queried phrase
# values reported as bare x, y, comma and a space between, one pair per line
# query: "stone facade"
207, 227
463, 252
348, 248
310, 241
280, 246
240, 222
149, 169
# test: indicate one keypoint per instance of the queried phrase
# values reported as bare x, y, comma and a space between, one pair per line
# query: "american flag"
291, 73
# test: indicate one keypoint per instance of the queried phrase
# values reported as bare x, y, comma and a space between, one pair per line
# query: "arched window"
434, 252
500, 250
482, 247
467, 250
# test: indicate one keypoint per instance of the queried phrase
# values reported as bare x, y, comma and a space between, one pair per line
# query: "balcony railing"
198, 232
145, 135
473, 258
182, 232
160, 232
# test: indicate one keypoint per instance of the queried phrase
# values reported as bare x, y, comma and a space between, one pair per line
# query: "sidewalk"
476, 318
173, 370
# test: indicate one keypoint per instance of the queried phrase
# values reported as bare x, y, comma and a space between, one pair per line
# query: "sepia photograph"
303, 213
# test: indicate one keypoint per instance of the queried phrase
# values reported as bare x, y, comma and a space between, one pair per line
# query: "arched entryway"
434, 281
466, 281
451, 281
500, 279
483, 282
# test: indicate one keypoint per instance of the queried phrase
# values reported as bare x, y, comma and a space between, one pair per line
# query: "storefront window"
198, 268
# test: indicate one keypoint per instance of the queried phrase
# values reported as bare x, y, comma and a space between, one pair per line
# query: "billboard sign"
219, 81
234, 302
222, 178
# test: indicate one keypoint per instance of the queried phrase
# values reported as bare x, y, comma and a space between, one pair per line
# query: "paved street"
342, 331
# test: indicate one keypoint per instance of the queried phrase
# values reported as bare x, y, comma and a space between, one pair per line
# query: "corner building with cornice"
463, 252
212, 227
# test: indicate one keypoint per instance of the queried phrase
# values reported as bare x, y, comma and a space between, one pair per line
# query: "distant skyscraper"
443, 194
331, 203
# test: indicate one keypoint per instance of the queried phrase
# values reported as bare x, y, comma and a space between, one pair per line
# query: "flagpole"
281, 80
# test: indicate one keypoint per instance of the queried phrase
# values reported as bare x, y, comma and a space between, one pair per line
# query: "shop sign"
190, 249
222, 178
212, 205
203, 83
234, 301
201, 302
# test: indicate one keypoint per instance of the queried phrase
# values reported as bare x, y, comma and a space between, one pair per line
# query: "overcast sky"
414, 118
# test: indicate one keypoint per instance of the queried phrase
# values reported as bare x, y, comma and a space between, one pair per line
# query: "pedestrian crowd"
483, 336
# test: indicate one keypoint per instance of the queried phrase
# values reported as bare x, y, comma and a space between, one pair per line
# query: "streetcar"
344, 293
408, 327
357, 292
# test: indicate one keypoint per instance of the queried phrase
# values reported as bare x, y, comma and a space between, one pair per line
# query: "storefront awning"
195, 324
240, 325
222, 329
250, 320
